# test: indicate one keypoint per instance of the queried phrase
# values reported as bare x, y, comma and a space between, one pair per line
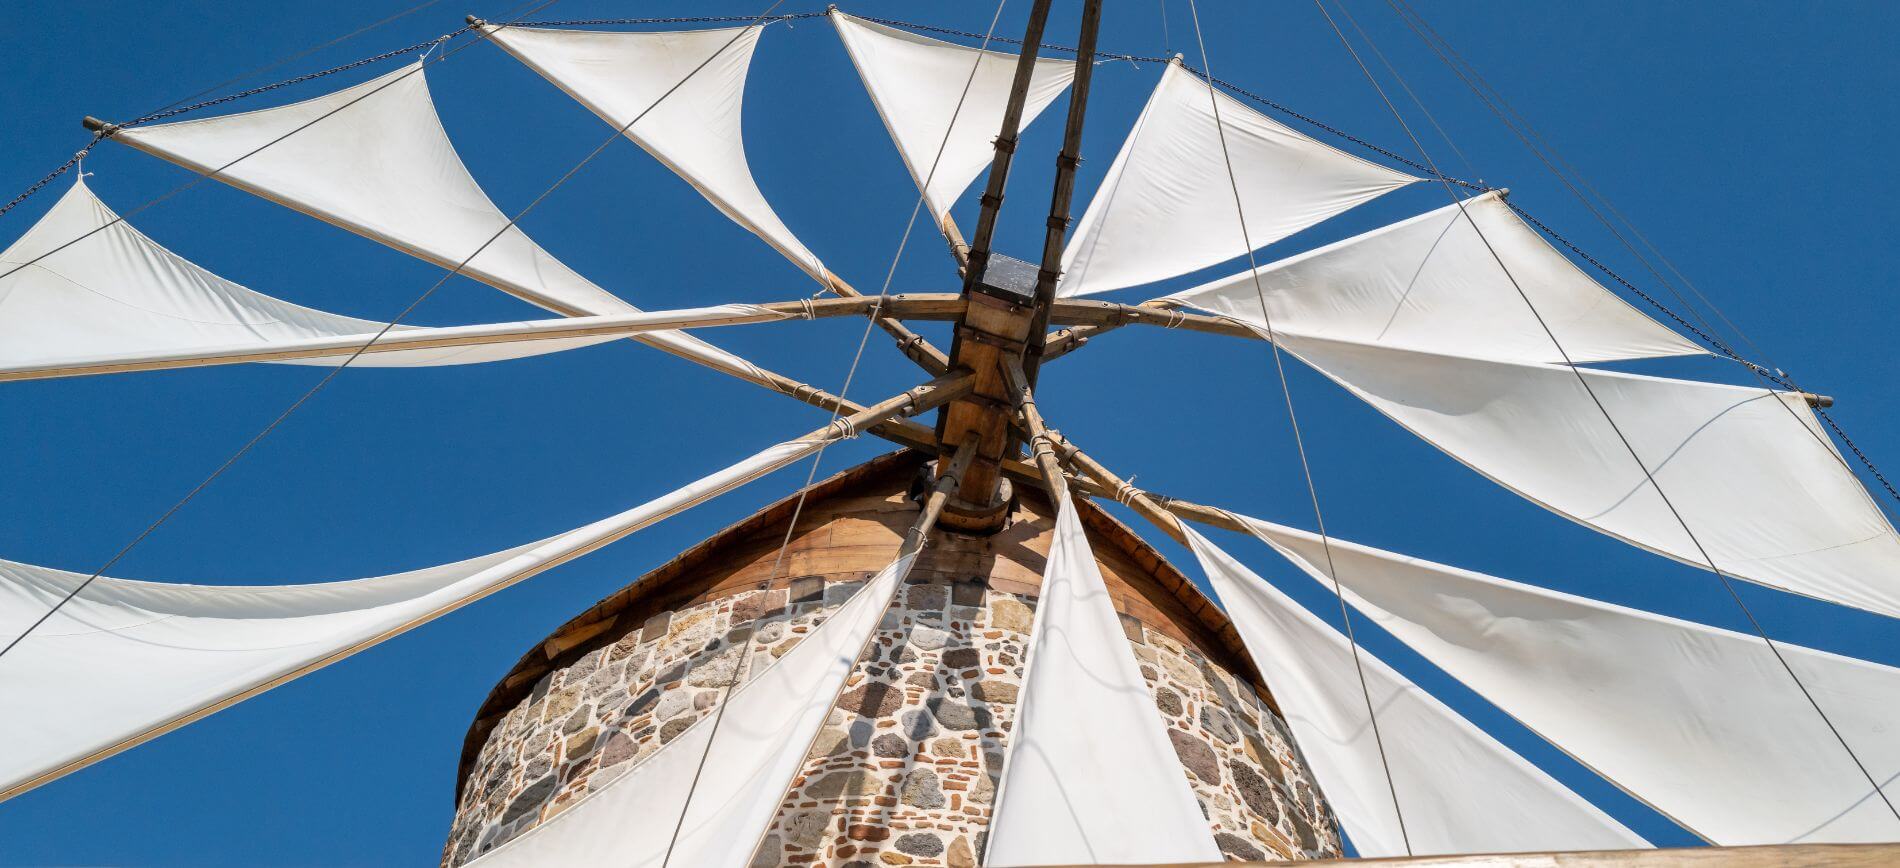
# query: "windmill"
1048, 637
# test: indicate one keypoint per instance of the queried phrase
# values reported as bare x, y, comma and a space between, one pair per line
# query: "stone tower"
904, 771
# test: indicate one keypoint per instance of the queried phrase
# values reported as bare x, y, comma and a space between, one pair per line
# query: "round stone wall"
904, 772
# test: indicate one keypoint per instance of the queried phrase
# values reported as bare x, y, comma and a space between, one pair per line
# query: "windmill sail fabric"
1748, 469
751, 755
943, 103
373, 159
125, 661
1458, 789
1701, 723
1435, 282
682, 92
1087, 738
1167, 206
82, 286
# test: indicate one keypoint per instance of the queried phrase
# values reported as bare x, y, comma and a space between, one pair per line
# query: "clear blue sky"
1750, 141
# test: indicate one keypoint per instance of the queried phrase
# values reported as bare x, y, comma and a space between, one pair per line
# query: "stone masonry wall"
905, 769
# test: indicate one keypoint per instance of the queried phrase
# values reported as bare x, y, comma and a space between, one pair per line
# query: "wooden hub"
995, 326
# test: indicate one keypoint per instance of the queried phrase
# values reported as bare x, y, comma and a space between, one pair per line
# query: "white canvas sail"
943, 103
751, 756
682, 92
1090, 776
1749, 470
115, 295
374, 159
1701, 723
1434, 282
1167, 206
125, 661
1458, 789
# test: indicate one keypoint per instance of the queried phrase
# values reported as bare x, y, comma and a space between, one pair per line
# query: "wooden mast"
1003, 319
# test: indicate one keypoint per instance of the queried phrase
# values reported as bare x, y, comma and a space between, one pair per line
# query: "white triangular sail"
943, 103
1458, 789
374, 159
1090, 776
1764, 491
84, 288
1701, 723
750, 756
124, 661
682, 92
1167, 206
1434, 282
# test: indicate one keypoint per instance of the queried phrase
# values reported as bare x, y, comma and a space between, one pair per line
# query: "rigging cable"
740, 671
1299, 441
1727, 582
328, 376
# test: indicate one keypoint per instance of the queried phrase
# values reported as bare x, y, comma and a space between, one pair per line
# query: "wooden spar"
940, 492
1128, 494
910, 343
992, 200
1066, 161
1041, 440
395, 340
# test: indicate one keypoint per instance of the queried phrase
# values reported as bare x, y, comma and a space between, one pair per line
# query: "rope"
302, 399
1728, 584
1299, 439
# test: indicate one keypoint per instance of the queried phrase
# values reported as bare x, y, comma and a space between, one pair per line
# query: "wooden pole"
1041, 441
910, 343
1135, 498
979, 252
1066, 162
940, 492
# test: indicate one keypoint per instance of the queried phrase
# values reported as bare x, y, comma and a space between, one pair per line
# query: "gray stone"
926, 680
585, 666
1255, 791
872, 699
655, 627
916, 724
807, 830
1217, 722
920, 844
673, 703
716, 672
927, 638
926, 598
673, 673
890, 744
922, 789
1236, 847
1196, 755
1303, 830
854, 782
839, 592
957, 715
642, 703
577, 720
1168, 701
967, 593
672, 728
618, 749
530, 800
771, 632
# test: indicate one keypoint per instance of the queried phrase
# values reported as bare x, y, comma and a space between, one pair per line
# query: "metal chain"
63, 169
